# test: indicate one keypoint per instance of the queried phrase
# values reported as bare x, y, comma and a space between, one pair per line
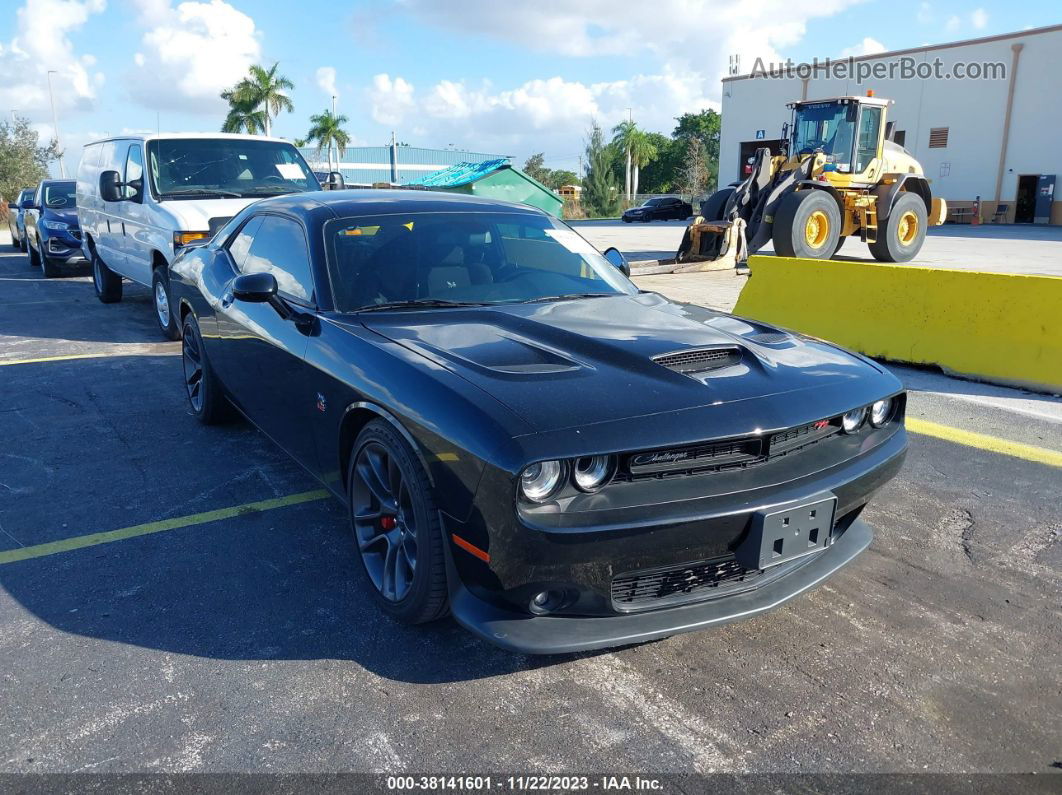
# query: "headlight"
851, 421
593, 472
880, 412
539, 481
58, 226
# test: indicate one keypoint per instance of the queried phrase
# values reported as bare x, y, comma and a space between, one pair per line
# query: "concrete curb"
999, 327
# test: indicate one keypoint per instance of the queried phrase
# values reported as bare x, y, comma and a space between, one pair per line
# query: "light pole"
55, 123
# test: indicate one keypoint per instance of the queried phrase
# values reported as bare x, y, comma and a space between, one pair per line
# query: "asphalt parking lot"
221, 623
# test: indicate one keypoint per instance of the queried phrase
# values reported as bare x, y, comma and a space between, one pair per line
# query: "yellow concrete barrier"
994, 326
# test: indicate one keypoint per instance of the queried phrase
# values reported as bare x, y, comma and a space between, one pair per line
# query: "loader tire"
712, 208
905, 229
807, 224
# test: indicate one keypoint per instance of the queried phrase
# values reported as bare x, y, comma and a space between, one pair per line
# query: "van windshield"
196, 168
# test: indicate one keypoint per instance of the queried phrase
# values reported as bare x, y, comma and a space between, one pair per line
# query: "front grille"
798, 438
681, 583
699, 360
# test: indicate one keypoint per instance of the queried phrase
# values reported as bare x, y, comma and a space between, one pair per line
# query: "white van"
140, 198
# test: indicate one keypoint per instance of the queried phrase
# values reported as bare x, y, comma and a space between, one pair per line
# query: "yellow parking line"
71, 356
982, 441
94, 539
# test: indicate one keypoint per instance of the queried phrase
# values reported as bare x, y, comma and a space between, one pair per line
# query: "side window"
241, 244
113, 157
134, 173
867, 149
279, 247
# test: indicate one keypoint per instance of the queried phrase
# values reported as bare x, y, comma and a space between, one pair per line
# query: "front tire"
108, 284
205, 396
34, 257
160, 289
904, 231
807, 224
396, 527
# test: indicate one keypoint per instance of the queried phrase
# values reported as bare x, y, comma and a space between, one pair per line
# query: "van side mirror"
110, 186
615, 256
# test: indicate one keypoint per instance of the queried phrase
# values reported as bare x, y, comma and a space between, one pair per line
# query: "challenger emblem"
818, 426
322, 404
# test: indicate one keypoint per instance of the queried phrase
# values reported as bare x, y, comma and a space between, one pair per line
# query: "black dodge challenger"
521, 436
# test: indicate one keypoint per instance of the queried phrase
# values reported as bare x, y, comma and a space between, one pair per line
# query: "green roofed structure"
494, 179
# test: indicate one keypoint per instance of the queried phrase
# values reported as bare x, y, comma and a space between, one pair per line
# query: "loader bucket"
712, 245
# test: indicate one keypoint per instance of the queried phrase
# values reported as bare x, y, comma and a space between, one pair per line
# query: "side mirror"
255, 288
614, 256
110, 186
336, 181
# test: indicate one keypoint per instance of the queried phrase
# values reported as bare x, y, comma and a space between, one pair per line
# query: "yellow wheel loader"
841, 175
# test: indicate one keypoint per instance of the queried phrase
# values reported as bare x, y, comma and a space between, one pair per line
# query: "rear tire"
807, 224
403, 559
16, 243
712, 208
160, 289
108, 284
205, 395
904, 232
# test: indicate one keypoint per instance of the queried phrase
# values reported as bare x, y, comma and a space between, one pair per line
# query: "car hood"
66, 216
568, 364
195, 215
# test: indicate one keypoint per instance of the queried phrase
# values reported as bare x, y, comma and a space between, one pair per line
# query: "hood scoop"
699, 360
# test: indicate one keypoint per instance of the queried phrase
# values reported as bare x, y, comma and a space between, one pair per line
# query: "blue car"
53, 234
16, 218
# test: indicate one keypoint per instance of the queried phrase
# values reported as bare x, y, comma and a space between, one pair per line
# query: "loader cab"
846, 131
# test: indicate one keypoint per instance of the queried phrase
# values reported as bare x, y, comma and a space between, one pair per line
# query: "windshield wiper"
262, 190
419, 303
200, 192
566, 297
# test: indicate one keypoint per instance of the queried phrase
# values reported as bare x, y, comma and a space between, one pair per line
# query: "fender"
817, 185
393, 421
912, 183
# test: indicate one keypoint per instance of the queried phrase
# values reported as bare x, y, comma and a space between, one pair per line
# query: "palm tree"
242, 116
327, 129
264, 89
623, 135
642, 152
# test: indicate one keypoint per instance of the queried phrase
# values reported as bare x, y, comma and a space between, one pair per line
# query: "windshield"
829, 126
59, 194
477, 258
198, 168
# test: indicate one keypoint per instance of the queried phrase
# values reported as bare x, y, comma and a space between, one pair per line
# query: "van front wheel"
108, 284
160, 288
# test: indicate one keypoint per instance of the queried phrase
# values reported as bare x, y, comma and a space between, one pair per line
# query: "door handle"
123, 228
108, 225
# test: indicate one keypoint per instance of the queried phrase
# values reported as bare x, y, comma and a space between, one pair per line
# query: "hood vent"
699, 360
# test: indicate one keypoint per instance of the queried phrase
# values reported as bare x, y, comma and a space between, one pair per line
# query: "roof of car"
384, 202
185, 136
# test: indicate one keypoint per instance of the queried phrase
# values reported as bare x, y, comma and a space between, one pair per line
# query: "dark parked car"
53, 234
660, 208
16, 218
519, 433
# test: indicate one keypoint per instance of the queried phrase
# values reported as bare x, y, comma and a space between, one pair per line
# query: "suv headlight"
56, 226
539, 481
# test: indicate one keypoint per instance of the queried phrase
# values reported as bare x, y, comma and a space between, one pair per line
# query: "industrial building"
398, 164
993, 136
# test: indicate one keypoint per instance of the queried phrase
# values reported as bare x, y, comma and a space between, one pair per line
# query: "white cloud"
326, 80
390, 99
190, 53
925, 13
867, 46
42, 43
979, 18
953, 24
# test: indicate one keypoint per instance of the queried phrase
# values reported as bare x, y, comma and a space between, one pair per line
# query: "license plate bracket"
786, 534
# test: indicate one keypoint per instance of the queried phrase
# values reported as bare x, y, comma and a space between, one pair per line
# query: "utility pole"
331, 142
55, 123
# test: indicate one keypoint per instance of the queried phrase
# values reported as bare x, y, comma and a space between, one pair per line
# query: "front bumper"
556, 634
62, 245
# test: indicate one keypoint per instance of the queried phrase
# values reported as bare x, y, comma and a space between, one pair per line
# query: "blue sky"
508, 77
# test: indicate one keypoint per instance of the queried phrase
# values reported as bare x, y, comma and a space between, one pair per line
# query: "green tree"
659, 174
327, 130
558, 178
706, 127
243, 116
23, 161
263, 89
623, 135
600, 194
535, 167
642, 151
694, 176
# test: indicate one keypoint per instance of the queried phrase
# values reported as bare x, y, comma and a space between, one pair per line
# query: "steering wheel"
273, 178
507, 272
